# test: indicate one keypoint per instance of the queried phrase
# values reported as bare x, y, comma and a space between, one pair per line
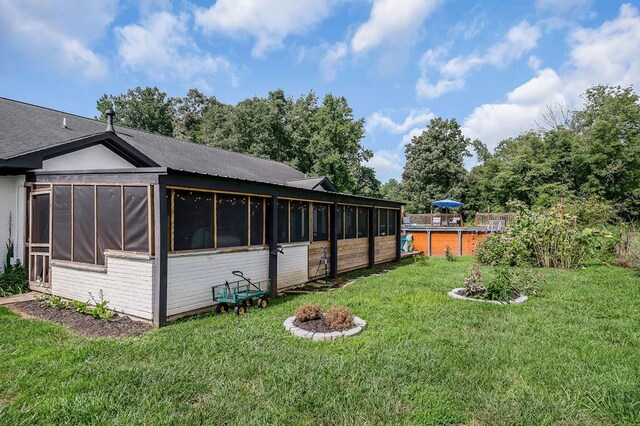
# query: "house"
153, 222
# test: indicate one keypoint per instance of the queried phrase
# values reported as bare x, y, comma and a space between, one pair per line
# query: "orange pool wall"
440, 240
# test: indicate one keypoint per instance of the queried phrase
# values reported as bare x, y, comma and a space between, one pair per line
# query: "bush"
628, 248
308, 312
473, 283
13, 281
548, 239
338, 318
509, 283
448, 254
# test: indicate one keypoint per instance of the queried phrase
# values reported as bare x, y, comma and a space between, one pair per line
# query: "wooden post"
273, 246
161, 257
333, 237
372, 237
398, 234
429, 243
459, 243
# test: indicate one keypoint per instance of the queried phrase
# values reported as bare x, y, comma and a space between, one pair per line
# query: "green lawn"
571, 355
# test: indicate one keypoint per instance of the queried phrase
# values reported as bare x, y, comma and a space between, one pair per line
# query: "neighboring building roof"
26, 128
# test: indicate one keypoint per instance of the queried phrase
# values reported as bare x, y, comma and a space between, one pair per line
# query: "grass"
570, 356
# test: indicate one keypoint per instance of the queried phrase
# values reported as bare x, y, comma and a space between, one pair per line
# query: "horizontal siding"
316, 265
353, 254
440, 241
385, 248
127, 285
190, 278
293, 266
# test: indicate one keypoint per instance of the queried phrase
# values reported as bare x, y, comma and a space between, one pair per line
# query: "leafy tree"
336, 146
435, 164
189, 113
146, 109
391, 190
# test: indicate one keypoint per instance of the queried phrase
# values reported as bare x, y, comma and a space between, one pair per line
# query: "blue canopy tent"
449, 204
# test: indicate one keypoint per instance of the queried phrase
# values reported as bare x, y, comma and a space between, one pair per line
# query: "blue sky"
492, 65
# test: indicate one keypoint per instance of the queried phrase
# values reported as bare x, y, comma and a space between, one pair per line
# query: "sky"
494, 66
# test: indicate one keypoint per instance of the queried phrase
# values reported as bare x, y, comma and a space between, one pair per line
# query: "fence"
435, 219
483, 219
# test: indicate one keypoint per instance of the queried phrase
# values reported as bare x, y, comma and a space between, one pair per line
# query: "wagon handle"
238, 274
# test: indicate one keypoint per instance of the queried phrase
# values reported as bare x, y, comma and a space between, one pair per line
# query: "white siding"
94, 157
12, 203
190, 277
293, 266
126, 284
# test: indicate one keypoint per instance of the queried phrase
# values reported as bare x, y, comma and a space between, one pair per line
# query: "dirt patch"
316, 326
86, 325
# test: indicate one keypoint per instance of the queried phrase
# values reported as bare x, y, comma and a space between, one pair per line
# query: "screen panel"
61, 244
136, 221
109, 219
83, 224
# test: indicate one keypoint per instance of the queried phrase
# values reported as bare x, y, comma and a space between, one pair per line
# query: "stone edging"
454, 293
360, 324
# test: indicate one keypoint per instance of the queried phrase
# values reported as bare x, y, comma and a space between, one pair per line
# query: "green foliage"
391, 190
13, 281
146, 109
448, 254
508, 283
53, 302
628, 247
100, 308
317, 139
435, 165
547, 238
473, 283
421, 260
81, 307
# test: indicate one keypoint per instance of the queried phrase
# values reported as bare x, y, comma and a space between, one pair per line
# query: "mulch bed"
86, 325
316, 326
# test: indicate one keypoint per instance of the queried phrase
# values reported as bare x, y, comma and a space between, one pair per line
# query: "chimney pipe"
110, 114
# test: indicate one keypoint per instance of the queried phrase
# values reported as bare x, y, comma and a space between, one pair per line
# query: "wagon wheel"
222, 308
239, 310
263, 302
248, 302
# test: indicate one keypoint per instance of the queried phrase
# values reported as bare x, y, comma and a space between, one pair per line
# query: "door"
40, 239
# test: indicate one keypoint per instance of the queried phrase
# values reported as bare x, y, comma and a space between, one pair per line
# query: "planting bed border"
360, 324
454, 293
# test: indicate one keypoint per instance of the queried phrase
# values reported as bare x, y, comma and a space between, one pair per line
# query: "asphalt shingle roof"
26, 128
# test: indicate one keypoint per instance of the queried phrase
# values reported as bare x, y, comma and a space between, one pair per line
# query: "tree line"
319, 138
589, 158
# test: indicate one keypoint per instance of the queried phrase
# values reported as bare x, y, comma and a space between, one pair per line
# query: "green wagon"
241, 294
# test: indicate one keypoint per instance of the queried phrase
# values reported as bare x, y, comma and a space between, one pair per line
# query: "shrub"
421, 260
628, 248
473, 283
13, 281
448, 254
509, 283
548, 239
338, 318
308, 312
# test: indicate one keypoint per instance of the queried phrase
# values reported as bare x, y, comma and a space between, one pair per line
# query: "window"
349, 222
299, 221
339, 221
382, 222
320, 222
392, 215
257, 222
283, 221
108, 217
40, 219
231, 220
84, 224
363, 222
136, 226
192, 220
61, 245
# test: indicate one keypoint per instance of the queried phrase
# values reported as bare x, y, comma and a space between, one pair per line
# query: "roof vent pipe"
64, 122
110, 114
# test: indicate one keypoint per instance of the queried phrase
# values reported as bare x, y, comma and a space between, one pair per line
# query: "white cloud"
387, 164
161, 47
492, 123
608, 54
391, 21
268, 21
59, 33
377, 120
332, 59
520, 39
408, 137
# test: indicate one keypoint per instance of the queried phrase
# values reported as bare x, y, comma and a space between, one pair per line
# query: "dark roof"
26, 128
318, 183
